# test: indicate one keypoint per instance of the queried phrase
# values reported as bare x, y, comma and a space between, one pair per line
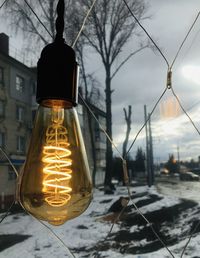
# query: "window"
2, 140
20, 114
20, 85
20, 144
1, 75
2, 108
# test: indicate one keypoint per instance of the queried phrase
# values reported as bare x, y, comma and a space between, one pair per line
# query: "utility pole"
151, 152
178, 158
149, 149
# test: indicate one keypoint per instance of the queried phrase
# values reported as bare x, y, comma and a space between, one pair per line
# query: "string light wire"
38, 19
83, 24
69, 252
82, 27
146, 32
184, 40
3, 4
104, 131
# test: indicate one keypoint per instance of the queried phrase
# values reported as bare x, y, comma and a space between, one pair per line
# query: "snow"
88, 230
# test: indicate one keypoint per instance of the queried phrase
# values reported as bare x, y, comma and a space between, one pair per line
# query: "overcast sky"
142, 80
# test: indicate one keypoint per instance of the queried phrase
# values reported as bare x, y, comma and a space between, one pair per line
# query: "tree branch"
126, 59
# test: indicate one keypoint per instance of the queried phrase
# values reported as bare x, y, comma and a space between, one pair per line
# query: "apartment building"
16, 82
17, 110
99, 138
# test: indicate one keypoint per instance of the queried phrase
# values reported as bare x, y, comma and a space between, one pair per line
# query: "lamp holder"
57, 68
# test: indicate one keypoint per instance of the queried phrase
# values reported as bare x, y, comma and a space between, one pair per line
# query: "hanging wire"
17, 174
143, 126
146, 32
192, 233
69, 252
83, 25
95, 254
7, 212
10, 162
39, 19
92, 113
152, 228
184, 40
3, 4
183, 109
58, 238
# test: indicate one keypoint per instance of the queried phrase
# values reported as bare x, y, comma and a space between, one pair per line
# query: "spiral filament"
57, 164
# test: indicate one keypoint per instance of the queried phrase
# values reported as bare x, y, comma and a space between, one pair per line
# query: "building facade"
17, 110
95, 134
16, 81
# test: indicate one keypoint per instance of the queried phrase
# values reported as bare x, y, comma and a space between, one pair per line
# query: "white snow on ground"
42, 244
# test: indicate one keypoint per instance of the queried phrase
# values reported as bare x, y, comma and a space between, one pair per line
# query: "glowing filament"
57, 171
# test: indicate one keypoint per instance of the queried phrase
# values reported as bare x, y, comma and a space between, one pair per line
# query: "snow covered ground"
84, 235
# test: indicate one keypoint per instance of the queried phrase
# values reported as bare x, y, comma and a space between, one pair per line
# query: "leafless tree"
109, 28
127, 114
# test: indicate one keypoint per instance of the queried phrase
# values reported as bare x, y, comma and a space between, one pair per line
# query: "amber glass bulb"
56, 184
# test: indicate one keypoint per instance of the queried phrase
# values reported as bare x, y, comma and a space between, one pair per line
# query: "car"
164, 171
189, 176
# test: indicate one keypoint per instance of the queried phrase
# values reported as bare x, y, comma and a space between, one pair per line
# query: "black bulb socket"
57, 74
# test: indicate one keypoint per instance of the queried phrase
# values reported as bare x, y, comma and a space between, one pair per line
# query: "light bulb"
56, 184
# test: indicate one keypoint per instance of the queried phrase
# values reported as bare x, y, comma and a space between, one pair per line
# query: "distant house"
17, 111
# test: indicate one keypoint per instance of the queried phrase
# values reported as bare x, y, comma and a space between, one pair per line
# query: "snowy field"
130, 237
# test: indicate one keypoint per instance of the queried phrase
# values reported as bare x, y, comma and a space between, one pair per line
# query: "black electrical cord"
60, 20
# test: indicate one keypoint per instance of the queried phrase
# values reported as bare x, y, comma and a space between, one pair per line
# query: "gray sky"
142, 80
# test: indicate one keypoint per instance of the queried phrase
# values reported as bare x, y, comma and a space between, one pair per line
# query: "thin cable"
152, 228
108, 137
58, 238
10, 162
110, 231
146, 121
17, 175
53, 233
83, 24
191, 27
146, 32
141, 214
3, 4
39, 19
7, 212
183, 109
184, 249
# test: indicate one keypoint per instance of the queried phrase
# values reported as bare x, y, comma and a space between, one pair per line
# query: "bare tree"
127, 114
109, 28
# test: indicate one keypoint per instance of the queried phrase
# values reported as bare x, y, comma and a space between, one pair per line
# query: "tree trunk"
109, 153
89, 118
93, 148
128, 130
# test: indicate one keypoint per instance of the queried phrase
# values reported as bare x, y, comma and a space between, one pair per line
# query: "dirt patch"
9, 240
136, 237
